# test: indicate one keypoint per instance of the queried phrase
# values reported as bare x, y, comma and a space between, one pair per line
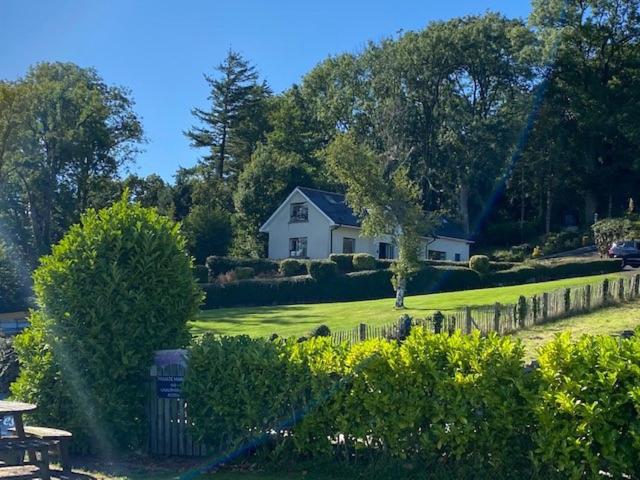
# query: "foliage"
370, 284
480, 264
322, 270
607, 231
320, 331
14, 290
588, 405
290, 267
9, 368
364, 261
464, 388
218, 265
65, 135
201, 273
343, 260
236, 121
243, 273
117, 287
208, 231
381, 193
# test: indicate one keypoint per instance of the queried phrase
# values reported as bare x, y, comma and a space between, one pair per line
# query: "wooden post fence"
468, 319
496, 318
545, 307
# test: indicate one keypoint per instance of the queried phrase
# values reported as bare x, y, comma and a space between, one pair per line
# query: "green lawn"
607, 321
289, 320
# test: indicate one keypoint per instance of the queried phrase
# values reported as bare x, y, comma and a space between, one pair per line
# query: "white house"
313, 224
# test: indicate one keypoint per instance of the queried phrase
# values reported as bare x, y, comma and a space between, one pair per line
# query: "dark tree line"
497, 120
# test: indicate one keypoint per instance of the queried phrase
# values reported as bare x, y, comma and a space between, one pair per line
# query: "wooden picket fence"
505, 319
168, 432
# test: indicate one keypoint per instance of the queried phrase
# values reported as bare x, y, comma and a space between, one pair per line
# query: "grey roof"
334, 206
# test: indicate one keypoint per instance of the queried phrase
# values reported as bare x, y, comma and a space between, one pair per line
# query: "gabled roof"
333, 205
335, 208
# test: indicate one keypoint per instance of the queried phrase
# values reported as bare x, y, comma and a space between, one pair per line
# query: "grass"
608, 321
289, 320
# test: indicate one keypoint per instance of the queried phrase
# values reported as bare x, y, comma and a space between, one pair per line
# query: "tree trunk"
547, 221
400, 289
463, 205
590, 206
610, 206
223, 145
522, 196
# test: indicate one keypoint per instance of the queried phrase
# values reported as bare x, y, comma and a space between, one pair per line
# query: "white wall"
316, 230
451, 247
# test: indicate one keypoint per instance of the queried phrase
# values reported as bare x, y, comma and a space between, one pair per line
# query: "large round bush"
480, 264
115, 289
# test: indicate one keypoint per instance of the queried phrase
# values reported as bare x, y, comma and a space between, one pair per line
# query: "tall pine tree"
236, 121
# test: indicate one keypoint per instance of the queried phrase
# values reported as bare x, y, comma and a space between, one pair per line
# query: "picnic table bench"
31, 441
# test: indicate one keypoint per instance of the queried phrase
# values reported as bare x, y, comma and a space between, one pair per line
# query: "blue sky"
160, 49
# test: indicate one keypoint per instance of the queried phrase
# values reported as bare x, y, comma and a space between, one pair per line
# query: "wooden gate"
168, 418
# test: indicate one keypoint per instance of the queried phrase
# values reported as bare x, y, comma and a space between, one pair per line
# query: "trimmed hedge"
432, 399
290, 267
480, 264
243, 273
373, 284
364, 261
343, 260
322, 270
218, 265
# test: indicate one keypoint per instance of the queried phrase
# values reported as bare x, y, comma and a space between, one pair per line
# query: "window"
457, 257
299, 213
348, 245
298, 247
385, 251
436, 255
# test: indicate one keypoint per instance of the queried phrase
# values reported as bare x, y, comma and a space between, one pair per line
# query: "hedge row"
375, 284
432, 399
218, 265
347, 263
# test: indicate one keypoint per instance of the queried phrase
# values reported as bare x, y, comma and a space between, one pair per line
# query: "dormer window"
299, 213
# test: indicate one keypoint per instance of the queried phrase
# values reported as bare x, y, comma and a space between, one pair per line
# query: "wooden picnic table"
18, 442
16, 410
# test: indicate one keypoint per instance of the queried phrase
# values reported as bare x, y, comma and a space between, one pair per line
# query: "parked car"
628, 251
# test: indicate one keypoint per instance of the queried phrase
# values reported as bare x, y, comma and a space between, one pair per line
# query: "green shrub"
320, 331
253, 389
500, 266
14, 289
514, 276
322, 270
290, 267
480, 264
607, 231
343, 260
363, 261
243, 273
201, 273
117, 287
433, 397
587, 406
208, 232
442, 279
218, 265
383, 264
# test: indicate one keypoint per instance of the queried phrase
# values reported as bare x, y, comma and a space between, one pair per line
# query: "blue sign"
169, 386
